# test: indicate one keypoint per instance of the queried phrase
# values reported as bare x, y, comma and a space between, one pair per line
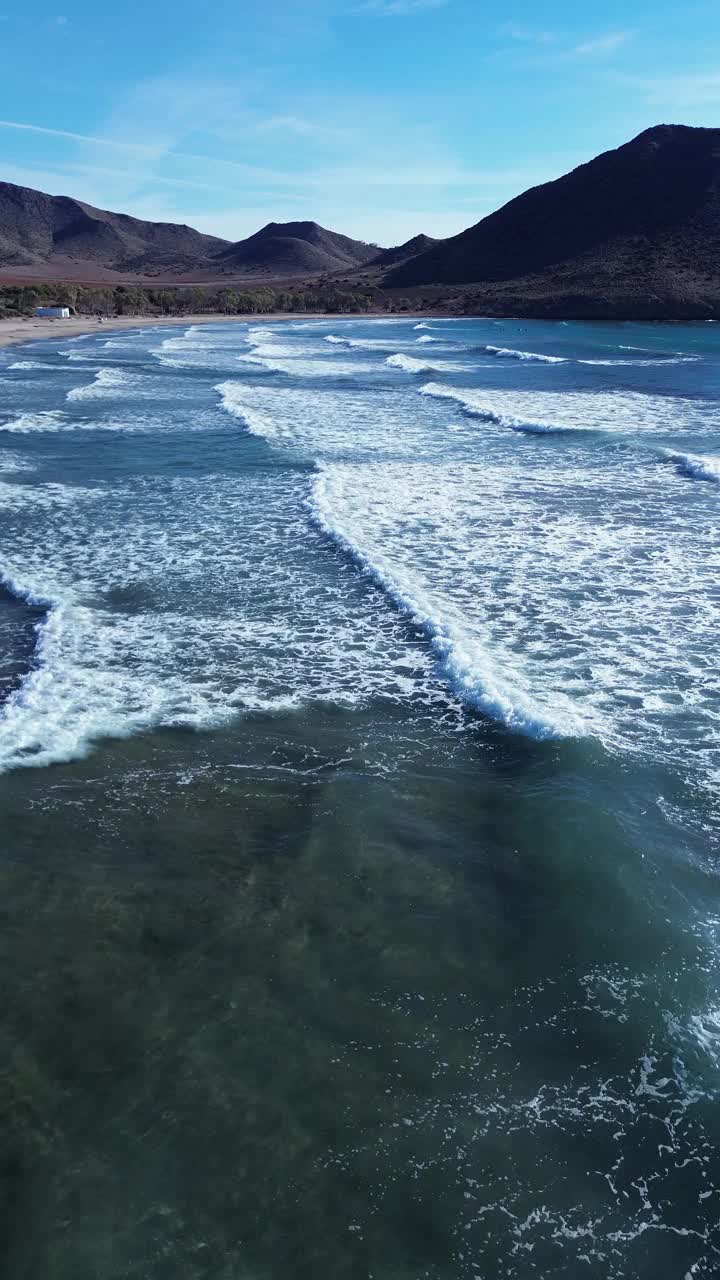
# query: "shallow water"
360, 773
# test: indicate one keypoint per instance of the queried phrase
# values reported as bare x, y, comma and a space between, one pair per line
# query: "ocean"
359, 781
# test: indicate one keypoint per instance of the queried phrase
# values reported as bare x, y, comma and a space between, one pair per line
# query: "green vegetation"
130, 299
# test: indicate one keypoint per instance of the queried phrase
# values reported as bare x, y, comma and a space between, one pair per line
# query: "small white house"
55, 313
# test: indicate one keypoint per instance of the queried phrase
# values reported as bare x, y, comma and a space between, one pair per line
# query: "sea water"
359, 786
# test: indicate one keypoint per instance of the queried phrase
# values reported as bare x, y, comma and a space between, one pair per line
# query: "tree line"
131, 299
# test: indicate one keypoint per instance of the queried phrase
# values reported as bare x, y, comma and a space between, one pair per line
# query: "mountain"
402, 253
53, 237
295, 249
641, 222
38, 230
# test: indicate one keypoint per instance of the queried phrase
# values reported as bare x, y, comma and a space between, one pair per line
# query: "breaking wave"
465, 664
696, 466
471, 404
107, 383
31, 364
507, 353
43, 420
410, 365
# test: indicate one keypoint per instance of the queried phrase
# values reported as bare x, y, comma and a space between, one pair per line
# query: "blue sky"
378, 118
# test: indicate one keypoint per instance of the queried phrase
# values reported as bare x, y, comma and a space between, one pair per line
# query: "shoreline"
36, 328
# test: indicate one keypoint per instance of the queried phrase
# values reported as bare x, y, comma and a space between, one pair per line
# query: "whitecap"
42, 420
507, 353
31, 364
410, 365
107, 384
696, 466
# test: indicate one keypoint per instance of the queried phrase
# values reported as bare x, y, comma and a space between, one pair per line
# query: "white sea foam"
107, 384
642, 364
144, 628
540, 614
480, 405
551, 582
410, 365
697, 466
42, 420
363, 344
299, 368
328, 423
427, 338
466, 660
14, 462
200, 347
507, 353
31, 364
617, 412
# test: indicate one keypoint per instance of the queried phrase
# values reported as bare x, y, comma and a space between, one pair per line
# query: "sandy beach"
32, 327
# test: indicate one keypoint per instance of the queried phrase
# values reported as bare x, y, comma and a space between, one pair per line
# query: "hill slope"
295, 248
402, 253
643, 221
51, 237
38, 229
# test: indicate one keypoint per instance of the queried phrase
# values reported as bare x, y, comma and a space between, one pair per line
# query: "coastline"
33, 328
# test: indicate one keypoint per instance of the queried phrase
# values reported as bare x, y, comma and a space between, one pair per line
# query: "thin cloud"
297, 127
398, 8
79, 137
427, 174
548, 48
156, 153
514, 31
601, 44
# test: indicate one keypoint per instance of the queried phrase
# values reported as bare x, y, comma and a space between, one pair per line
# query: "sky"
378, 118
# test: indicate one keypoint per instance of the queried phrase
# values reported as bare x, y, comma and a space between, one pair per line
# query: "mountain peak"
645, 208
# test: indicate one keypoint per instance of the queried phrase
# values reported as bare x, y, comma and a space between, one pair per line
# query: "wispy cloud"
78, 137
296, 126
251, 172
547, 48
601, 44
527, 35
398, 8
63, 176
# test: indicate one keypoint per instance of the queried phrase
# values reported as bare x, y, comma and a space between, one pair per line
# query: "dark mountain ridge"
295, 248
52, 236
634, 233
38, 229
403, 252
643, 219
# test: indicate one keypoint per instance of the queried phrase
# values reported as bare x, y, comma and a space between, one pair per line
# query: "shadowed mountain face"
295, 248
49, 236
38, 229
635, 233
647, 214
402, 253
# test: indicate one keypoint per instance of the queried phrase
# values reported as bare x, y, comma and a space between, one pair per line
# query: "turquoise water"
359, 750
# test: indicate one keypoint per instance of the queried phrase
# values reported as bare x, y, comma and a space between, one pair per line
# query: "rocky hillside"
57, 237
295, 249
636, 227
38, 230
402, 253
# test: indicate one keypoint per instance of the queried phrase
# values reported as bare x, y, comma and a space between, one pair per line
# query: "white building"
55, 313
